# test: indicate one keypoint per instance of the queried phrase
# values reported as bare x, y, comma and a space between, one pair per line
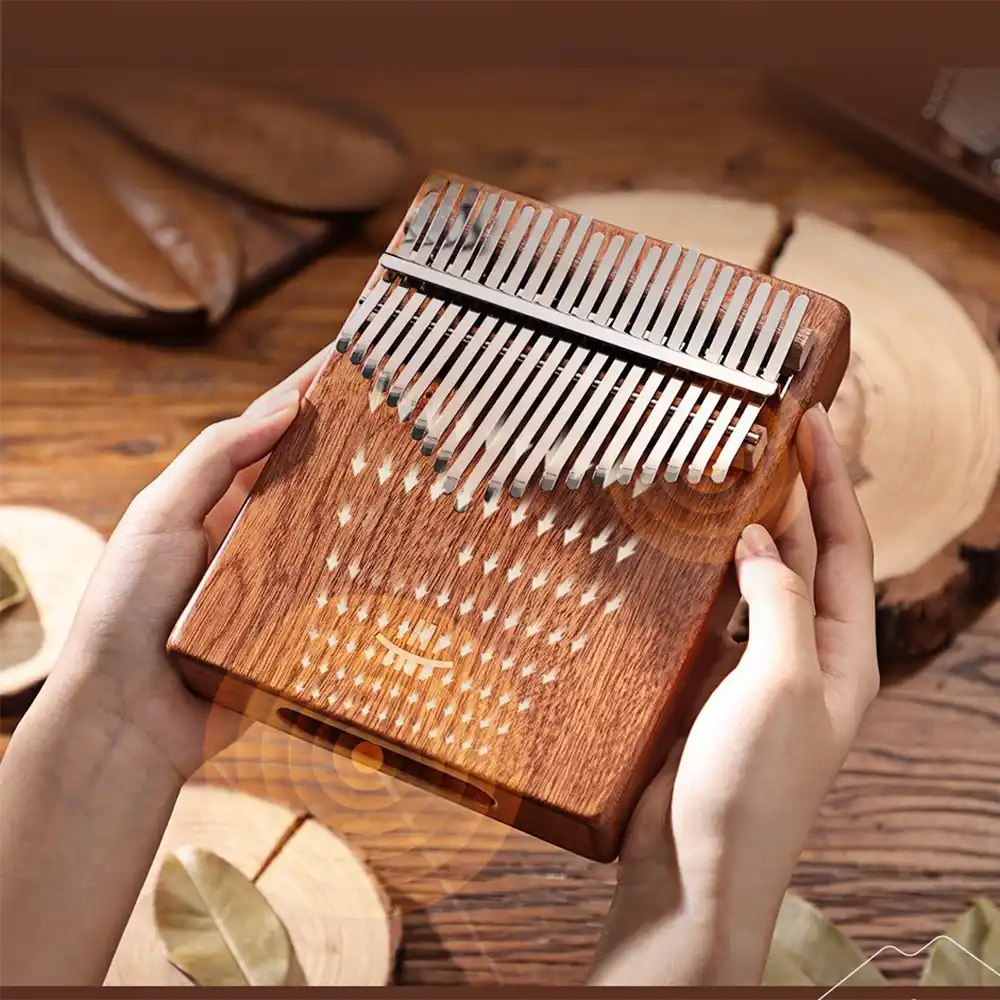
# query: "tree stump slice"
336, 914
56, 554
917, 415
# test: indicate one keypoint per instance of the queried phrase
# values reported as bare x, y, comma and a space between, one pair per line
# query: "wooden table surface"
910, 830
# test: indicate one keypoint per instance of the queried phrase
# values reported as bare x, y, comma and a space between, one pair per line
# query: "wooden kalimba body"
493, 553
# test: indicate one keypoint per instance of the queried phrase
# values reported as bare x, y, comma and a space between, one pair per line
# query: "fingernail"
757, 542
268, 406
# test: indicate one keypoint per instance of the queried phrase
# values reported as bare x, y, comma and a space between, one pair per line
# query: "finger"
778, 601
795, 537
182, 496
220, 518
301, 379
844, 585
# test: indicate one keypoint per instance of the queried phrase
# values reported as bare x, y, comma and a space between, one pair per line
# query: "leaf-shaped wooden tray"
160, 207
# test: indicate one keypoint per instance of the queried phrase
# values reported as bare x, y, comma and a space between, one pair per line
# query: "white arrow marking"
443, 642
519, 513
628, 549
512, 619
485, 693
344, 515
491, 564
465, 555
321, 601
443, 598
524, 705
358, 463
466, 606
332, 640
540, 579
404, 627
465, 649
515, 571
490, 507
504, 699
507, 663
376, 685
353, 570
332, 561
437, 488
564, 589
369, 652
528, 670
489, 614
342, 606
572, 533
533, 629
487, 656
384, 470
305, 661
421, 592
375, 399
613, 605
556, 636
411, 478
341, 673
503, 729
599, 541
589, 595
548, 522
362, 613
351, 646
550, 676
640, 488
578, 643
313, 635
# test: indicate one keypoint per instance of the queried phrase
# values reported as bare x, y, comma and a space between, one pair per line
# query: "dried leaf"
294, 153
13, 589
817, 949
217, 926
93, 228
28, 252
977, 931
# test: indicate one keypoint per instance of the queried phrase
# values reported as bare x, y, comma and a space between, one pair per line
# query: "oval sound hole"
376, 756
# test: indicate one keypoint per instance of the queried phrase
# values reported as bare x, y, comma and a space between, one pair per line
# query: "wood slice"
56, 555
333, 909
918, 413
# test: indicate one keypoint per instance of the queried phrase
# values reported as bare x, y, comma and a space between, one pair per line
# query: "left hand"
151, 566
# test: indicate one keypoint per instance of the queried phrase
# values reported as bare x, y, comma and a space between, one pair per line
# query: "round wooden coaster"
918, 414
56, 555
335, 912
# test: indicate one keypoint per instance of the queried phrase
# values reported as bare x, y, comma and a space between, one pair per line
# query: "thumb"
780, 608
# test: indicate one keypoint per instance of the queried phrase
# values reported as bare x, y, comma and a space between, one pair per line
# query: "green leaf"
13, 589
977, 931
807, 945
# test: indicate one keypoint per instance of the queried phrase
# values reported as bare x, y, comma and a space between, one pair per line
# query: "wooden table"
910, 830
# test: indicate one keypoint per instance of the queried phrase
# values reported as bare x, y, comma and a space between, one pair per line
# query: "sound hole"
383, 759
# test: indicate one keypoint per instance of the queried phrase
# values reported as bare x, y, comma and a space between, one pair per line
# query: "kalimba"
492, 555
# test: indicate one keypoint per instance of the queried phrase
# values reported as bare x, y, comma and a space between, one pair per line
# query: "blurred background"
194, 194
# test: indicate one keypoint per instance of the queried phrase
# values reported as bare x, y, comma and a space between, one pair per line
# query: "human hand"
155, 558
712, 845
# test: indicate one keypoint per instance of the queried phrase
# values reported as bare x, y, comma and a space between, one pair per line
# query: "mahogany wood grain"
910, 829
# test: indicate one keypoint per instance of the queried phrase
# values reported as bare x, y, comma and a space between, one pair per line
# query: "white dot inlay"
305, 661
362, 613
383, 620
350, 646
324, 668
313, 635
421, 592
466, 685
332, 640
353, 570
342, 606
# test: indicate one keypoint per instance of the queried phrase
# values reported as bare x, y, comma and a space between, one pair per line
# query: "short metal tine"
396, 327
547, 295
600, 279
443, 255
688, 439
734, 353
414, 229
474, 234
413, 336
621, 276
767, 331
360, 313
694, 300
711, 311
525, 257
510, 247
605, 474
581, 273
490, 241
734, 442
696, 470
678, 285
440, 329
441, 216
548, 255
659, 412
649, 302
378, 321
732, 314
781, 348
666, 439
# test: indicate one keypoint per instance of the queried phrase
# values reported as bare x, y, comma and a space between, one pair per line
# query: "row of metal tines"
499, 328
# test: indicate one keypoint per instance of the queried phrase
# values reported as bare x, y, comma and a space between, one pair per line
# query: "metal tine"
409, 401
396, 327
443, 255
711, 310
735, 352
795, 316
378, 321
441, 420
666, 439
604, 472
438, 416
572, 401
415, 228
766, 335
360, 313
631, 378
586, 305
750, 411
474, 234
491, 427
558, 276
510, 247
678, 284
536, 413
520, 268
456, 371
649, 427
690, 436
696, 470
651, 300
440, 219
440, 329
403, 349
625, 269
725, 330
552, 245
690, 310
490, 240
557, 457
580, 273
467, 421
